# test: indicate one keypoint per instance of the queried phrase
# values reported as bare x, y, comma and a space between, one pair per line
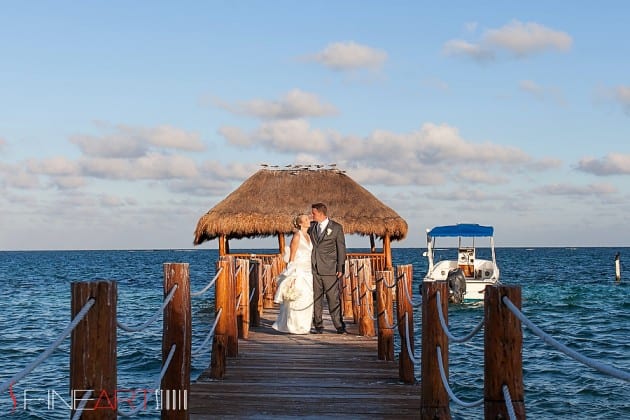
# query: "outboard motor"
457, 285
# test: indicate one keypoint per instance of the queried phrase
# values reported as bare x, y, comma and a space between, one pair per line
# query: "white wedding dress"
296, 316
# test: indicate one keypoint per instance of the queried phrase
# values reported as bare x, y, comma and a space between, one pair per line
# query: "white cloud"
611, 164
622, 95
58, 165
479, 176
295, 104
132, 142
542, 93
577, 190
68, 182
350, 56
516, 38
152, 166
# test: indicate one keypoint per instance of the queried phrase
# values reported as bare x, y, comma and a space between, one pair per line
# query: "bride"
295, 284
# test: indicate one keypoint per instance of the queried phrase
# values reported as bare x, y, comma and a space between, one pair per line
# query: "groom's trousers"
326, 286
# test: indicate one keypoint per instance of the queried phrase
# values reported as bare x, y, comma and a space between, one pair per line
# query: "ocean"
570, 293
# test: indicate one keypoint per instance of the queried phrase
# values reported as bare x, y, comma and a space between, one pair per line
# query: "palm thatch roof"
265, 204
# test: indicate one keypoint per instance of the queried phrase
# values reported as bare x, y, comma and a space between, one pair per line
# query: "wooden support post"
220, 338
242, 293
385, 310
255, 287
404, 295
387, 250
222, 245
434, 399
354, 284
93, 349
232, 332
367, 312
177, 330
503, 361
269, 279
346, 292
372, 243
281, 244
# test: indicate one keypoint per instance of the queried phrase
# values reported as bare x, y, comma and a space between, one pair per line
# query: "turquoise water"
569, 293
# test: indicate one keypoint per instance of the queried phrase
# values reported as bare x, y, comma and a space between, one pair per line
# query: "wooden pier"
328, 375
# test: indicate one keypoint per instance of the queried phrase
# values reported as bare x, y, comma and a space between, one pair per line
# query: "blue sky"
122, 123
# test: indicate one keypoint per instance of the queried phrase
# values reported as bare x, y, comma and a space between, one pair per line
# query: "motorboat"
467, 260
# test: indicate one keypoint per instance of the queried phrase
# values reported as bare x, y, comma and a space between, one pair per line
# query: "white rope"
409, 351
238, 302
15, 378
508, 402
155, 316
156, 385
409, 299
448, 388
445, 327
251, 295
612, 371
209, 285
387, 284
388, 324
367, 286
203, 345
84, 400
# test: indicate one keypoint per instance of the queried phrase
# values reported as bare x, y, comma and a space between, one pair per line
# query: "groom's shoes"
342, 330
318, 330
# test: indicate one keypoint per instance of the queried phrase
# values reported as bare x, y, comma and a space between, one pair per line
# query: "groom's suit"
328, 258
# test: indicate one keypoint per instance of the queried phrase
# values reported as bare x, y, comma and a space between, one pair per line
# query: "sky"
123, 122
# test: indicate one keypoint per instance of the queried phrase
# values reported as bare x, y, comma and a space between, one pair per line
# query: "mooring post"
503, 360
230, 310
220, 337
354, 285
242, 293
346, 292
384, 308
255, 287
268, 280
177, 331
93, 350
404, 302
366, 321
434, 400
617, 268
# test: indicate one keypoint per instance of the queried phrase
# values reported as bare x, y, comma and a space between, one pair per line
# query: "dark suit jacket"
329, 250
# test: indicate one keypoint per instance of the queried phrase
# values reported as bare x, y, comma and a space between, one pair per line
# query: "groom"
328, 260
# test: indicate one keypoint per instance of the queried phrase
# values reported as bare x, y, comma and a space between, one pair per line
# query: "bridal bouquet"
291, 292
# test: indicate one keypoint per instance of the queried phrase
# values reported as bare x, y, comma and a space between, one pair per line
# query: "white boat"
458, 261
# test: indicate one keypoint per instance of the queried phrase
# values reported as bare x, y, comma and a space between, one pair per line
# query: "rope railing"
153, 318
205, 342
446, 329
413, 358
447, 386
251, 295
508, 402
155, 386
29, 368
406, 288
389, 286
609, 370
84, 400
209, 285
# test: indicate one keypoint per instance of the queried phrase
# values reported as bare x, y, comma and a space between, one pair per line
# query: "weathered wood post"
406, 370
220, 337
366, 321
354, 284
434, 399
346, 292
93, 349
255, 286
242, 293
268, 281
503, 361
384, 308
232, 332
177, 330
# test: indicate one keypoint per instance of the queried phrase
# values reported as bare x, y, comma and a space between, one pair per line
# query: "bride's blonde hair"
296, 220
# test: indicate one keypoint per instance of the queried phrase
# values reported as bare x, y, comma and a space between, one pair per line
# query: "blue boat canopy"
464, 229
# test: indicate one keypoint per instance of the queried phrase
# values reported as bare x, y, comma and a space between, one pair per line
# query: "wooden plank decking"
315, 375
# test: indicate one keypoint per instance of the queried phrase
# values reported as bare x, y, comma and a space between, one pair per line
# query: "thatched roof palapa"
266, 202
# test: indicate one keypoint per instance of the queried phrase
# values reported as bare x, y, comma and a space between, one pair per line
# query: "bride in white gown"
295, 284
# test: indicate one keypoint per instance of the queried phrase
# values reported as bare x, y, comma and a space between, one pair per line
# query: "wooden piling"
93, 349
384, 308
230, 310
354, 285
503, 361
367, 312
346, 292
268, 281
406, 370
242, 298
434, 399
255, 287
617, 268
220, 338
177, 331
